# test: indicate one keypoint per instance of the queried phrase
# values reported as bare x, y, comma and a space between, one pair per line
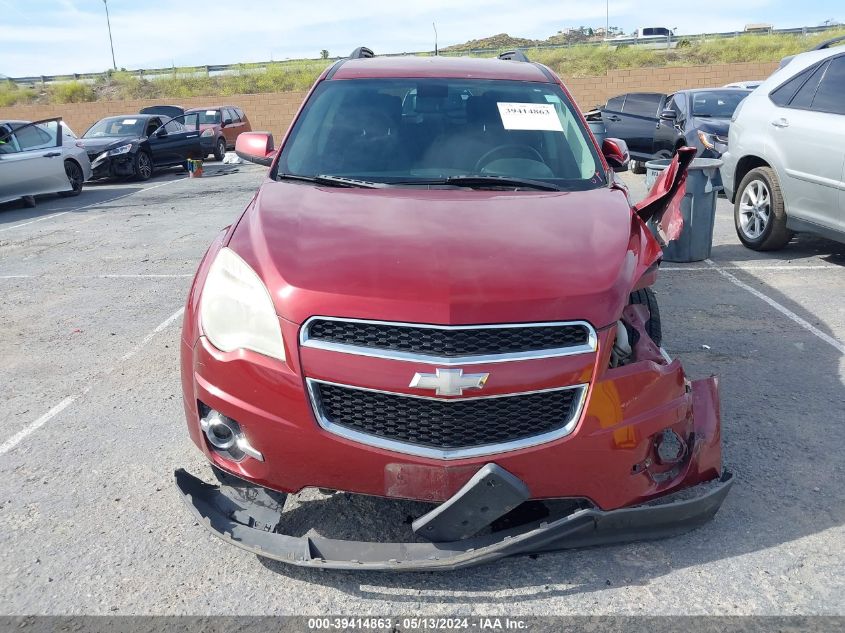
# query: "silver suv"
785, 165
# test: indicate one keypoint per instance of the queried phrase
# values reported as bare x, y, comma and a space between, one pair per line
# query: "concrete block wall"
274, 111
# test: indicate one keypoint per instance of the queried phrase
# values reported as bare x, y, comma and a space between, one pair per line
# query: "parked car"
785, 166
135, 145
441, 293
221, 125
747, 85
655, 125
36, 158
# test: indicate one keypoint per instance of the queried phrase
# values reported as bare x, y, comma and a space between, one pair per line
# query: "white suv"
785, 165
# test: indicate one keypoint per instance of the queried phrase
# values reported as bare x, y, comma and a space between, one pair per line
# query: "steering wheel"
515, 151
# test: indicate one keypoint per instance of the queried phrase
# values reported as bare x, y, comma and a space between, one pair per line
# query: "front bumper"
243, 521
113, 166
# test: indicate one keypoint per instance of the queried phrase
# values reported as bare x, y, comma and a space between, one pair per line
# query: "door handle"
614, 118
52, 154
781, 122
192, 136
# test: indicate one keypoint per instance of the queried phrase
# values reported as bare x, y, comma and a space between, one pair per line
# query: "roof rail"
514, 56
829, 43
362, 52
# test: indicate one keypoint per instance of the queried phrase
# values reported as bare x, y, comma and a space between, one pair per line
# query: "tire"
75, 177
220, 149
653, 327
143, 165
638, 167
759, 212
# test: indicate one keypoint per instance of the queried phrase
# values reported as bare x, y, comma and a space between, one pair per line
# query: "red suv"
441, 293
221, 126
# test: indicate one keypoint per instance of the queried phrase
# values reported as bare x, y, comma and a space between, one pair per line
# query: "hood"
103, 143
440, 256
712, 126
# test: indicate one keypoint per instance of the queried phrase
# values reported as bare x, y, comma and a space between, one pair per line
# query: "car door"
31, 160
637, 122
808, 133
611, 116
176, 141
669, 131
232, 128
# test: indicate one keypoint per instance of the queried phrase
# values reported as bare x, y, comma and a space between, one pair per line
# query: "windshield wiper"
333, 181
499, 181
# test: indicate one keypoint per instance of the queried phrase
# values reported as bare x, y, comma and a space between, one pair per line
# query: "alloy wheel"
755, 207
74, 175
145, 168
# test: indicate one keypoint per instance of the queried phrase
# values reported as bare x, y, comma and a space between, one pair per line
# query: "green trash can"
698, 208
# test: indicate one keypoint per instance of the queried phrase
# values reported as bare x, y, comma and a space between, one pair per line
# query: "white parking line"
88, 206
836, 344
752, 268
128, 276
28, 430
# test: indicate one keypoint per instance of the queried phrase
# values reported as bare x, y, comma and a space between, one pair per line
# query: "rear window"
406, 130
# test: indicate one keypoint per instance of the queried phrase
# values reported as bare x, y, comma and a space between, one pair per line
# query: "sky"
52, 37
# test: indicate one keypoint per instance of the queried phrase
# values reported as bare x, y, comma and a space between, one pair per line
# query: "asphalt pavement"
91, 290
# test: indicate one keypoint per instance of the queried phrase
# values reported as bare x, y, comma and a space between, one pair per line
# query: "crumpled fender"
663, 203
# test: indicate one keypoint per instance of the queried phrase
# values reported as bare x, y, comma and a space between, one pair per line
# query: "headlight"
123, 149
236, 310
208, 132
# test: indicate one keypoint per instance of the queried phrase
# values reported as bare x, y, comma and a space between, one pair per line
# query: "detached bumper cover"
247, 523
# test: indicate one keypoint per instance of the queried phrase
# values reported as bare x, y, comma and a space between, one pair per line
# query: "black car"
655, 125
136, 145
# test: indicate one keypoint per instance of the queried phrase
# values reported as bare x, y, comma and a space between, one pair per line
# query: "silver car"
785, 165
40, 157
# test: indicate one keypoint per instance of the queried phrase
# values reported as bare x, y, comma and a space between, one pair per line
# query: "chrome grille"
446, 428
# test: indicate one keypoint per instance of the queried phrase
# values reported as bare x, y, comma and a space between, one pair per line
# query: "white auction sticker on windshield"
129, 121
530, 116
211, 112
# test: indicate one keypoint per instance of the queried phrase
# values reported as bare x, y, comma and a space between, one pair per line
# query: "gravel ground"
90, 522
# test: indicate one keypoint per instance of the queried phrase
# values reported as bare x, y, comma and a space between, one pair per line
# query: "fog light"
671, 447
226, 437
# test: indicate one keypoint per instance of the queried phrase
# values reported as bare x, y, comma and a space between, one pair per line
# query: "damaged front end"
637, 457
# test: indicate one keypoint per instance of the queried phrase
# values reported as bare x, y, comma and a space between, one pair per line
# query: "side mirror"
227, 122
161, 132
616, 154
668, 115
255, 147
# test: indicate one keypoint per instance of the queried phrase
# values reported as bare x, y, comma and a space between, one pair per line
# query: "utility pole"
434, 26
111, 42
607, 21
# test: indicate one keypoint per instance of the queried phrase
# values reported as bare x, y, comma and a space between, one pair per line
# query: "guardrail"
213, 69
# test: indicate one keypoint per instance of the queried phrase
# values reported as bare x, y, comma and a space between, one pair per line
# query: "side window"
240, 113
806, 93
33, 137
615, 104
8, 142
152, 126
230, 113
830, 96
174, 126
679, 105
642, 104
783, 94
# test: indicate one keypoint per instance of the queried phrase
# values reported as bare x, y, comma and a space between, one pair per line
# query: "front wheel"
143, 165
75, 178
220, 149
759, 211
653, 327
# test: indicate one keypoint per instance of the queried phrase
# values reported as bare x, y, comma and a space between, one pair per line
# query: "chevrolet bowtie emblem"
449, 382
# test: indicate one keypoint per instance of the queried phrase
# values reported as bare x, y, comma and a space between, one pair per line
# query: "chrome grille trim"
446, 361
447, 454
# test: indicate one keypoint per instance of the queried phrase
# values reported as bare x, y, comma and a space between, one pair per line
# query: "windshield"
117, 126
208, 117
718, 104
424, 130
